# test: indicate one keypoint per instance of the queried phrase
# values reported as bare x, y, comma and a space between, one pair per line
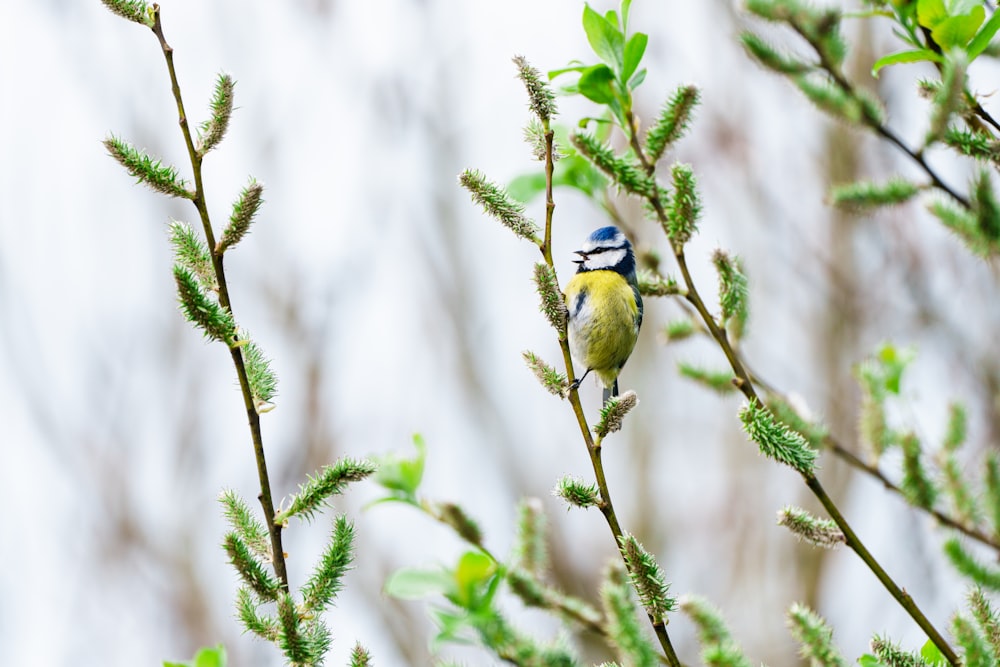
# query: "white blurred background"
390, 305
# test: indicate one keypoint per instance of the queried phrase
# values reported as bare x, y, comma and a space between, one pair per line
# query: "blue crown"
605, 233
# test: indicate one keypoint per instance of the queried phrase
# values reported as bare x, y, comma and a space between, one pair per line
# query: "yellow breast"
603, 321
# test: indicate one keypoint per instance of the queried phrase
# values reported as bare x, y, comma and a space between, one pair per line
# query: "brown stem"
266, 501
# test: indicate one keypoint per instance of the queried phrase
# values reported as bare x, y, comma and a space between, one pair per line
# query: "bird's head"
608, 249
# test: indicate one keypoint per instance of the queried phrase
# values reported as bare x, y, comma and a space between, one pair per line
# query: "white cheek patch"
590, 246
605, 260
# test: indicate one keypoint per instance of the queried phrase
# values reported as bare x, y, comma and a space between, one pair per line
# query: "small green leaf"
637, 80
984, 36
914, 56
453, 628
474, 567
894, 362
473, 577
413, 583
931, 12
210, 657
526, 187
553, 73
634, 50
579, 173
604, 37
956, 31
626, 4
596, 84
868, 660
932, 654
206, 657
403, 475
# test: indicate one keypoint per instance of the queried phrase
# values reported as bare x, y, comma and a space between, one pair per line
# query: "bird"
604, 307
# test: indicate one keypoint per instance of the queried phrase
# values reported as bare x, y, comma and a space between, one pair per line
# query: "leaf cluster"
935, 27
610, 81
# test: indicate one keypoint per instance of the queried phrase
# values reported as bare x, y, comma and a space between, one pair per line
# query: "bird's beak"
583, 257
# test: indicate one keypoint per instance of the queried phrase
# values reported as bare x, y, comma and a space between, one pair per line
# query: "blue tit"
605, 309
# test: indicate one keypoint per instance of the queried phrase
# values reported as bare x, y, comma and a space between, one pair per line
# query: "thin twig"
266, 501
879, 128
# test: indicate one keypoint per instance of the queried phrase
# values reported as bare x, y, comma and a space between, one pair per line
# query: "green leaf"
931, 12
932, 654
868, 660
894, 362
453, 628
414, 583
579, 173
634, 50
914, 56
956, 31
403, 475
984, 36
206, 657
573, 171
626, 4
637, 80
604, 37
473, 575
526, 187
597, 84
553, 73
211, 657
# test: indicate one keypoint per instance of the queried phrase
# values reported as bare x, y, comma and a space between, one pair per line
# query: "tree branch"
253, 419
745, 384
